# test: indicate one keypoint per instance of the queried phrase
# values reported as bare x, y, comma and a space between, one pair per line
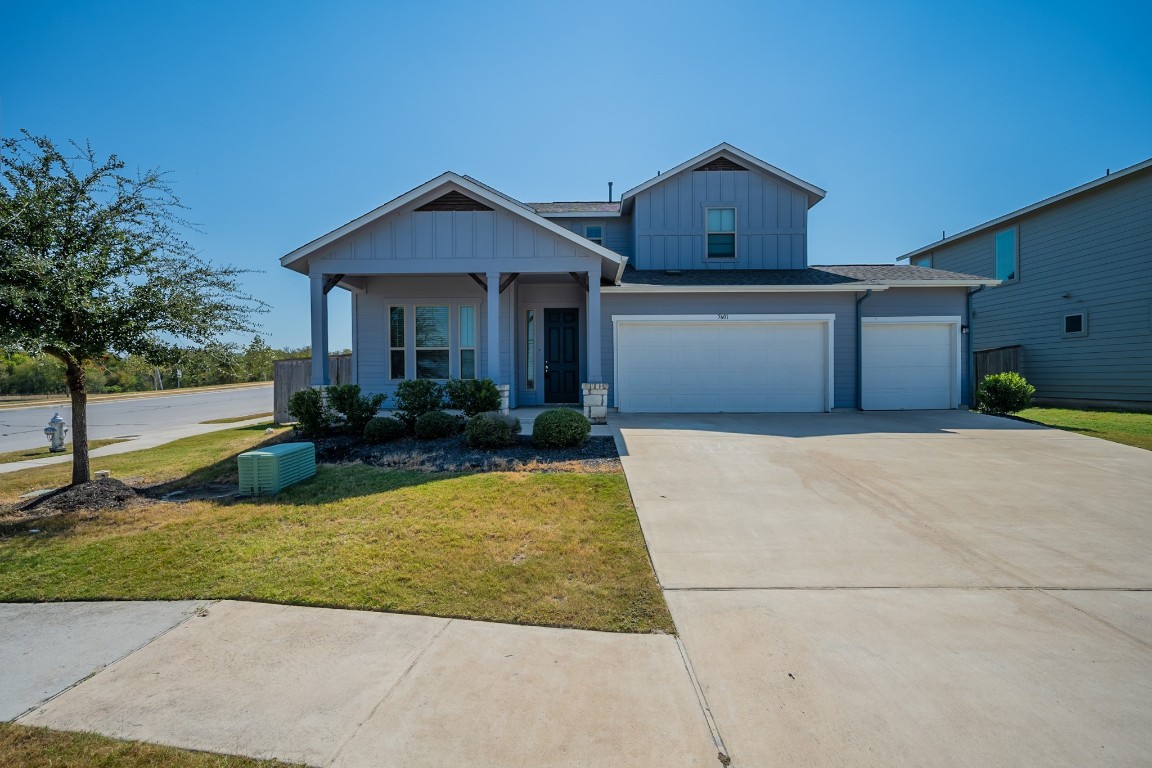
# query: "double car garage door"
749, 364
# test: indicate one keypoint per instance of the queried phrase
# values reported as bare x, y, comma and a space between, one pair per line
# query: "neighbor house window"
595, 233
923, 260
721, 233
396, 342
467, 342
1007, 264
530, 351
432, 351
1076, 325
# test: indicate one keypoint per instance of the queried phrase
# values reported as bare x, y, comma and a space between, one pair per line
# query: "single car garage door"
910, 365
721, 363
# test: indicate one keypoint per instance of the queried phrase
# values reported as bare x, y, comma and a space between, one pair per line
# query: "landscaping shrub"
312, 416
436, 424
357, 409
416, 397
472, 396
383, 429
560, 428
492, 430
1003, 393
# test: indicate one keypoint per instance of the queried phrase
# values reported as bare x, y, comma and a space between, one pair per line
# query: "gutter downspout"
860, 352
972, 383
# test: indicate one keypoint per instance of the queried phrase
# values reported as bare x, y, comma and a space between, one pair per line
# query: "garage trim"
957, 345
829, 321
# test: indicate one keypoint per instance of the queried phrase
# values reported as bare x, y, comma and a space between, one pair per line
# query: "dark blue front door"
561, 355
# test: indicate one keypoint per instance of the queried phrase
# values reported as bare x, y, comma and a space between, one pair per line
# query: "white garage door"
736, 366
910, 366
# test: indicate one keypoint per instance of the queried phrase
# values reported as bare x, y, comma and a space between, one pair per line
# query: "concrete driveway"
921, 588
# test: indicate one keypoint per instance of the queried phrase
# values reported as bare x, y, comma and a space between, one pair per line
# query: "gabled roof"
815, 194
848, 277
1110, 178
298, 259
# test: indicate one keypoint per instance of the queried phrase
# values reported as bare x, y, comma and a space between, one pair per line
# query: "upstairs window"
721, 228
923, 260
1007, 263
595, 233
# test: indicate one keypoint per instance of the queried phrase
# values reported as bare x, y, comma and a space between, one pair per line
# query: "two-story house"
691, 293
1074, 309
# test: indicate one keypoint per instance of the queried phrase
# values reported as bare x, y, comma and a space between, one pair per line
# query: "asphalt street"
22, 428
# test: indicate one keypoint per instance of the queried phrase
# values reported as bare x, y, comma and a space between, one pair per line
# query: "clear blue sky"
283, 120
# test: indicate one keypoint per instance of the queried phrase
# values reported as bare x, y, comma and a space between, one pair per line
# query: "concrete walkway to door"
922, 588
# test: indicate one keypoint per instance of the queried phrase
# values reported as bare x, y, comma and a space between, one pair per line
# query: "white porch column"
593, 327
494, 326
319, 332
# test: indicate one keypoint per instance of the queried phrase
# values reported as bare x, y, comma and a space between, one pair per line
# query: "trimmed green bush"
1004, 393
357, 409
312, 416
492, 430
560, 428
435, 425
416, 397
383, 429
472, 396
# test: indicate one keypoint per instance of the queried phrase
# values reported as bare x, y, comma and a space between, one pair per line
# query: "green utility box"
272, 469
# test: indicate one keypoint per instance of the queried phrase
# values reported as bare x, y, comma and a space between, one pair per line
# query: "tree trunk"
78, 390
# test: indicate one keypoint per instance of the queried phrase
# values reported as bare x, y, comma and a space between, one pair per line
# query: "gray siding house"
691, 293
1075, 303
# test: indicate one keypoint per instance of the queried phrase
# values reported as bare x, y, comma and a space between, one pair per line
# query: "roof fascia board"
852, 287
584, 215
811, 189
941, 283
1006, 218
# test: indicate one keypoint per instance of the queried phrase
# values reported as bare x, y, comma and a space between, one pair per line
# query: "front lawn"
1127, 427
557, 549
25, 747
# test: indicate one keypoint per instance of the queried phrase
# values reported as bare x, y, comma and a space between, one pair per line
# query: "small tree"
92, 262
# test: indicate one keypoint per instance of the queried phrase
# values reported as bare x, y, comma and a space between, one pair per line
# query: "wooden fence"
998, 360
290, 376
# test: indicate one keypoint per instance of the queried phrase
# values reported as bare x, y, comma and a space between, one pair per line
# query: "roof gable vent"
721, 164
454, 201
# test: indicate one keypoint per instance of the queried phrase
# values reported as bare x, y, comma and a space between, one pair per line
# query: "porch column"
319, 332
494, 326
593, 323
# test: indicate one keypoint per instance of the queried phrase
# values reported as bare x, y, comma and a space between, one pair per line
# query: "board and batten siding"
617, 231
771, 221
1092, 254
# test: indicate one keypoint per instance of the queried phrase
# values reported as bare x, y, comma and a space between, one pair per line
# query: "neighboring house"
1075, 304
692, 293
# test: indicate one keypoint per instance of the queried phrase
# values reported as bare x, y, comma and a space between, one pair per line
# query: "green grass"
28, 747
1127, 427
233, 419
43, 453
559, 549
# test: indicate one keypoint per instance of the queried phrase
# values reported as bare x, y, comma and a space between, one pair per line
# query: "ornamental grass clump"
560, 428
1003, 393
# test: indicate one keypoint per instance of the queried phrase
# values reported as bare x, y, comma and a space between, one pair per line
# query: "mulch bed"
452, 454
100, 495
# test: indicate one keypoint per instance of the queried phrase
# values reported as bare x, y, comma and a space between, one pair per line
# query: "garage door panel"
750, 366
908, 366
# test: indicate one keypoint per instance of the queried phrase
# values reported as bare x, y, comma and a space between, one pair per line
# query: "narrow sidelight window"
530, 352
432, 350
721, 223
396, 342
1007, 265
467, 342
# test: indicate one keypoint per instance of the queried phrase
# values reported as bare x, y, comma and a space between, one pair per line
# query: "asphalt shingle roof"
814, 276
574, 207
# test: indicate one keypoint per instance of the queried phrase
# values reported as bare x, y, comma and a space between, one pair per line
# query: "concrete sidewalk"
352, 688
150, 440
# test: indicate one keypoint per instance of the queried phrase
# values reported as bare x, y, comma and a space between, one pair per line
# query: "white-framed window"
1076, 324
594, 232
396, 336
1007, 256
720, 225
467, 341
433, 351
530, 349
